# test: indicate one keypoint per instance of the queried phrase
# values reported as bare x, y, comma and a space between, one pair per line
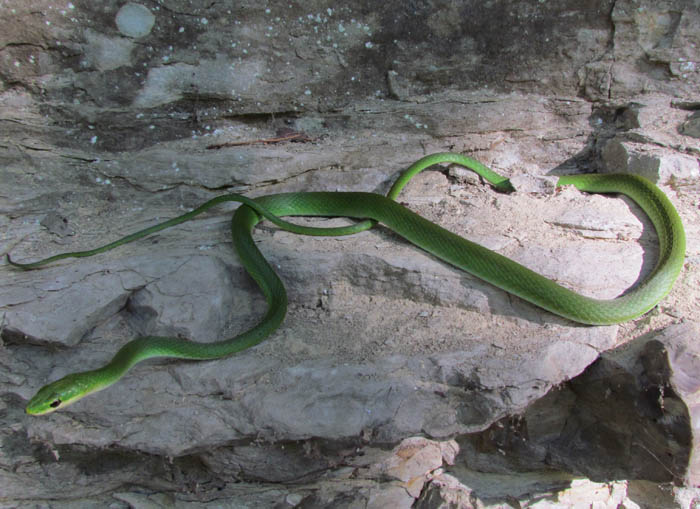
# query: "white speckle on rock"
135, 20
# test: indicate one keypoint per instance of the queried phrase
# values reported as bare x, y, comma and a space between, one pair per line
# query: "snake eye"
55, 403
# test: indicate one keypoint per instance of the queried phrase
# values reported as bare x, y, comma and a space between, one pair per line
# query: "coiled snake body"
468, 256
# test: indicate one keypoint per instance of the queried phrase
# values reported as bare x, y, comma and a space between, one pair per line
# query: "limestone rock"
657, 165
630, 415
395, 380
691, 127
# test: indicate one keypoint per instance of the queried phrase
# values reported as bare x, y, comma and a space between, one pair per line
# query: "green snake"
372, 208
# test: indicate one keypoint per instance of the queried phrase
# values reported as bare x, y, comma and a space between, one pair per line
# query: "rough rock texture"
395, 380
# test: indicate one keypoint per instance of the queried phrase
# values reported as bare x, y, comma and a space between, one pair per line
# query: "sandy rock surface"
395, 380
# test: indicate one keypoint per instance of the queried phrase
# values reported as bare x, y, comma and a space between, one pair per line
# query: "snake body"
372, 208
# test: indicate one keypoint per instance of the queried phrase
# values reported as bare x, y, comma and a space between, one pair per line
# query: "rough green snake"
372, 208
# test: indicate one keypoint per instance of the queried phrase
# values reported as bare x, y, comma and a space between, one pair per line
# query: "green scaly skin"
468, 256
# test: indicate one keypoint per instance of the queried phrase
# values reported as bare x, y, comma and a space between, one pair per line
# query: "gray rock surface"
395, 380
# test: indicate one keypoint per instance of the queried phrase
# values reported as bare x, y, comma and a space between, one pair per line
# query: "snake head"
58, 394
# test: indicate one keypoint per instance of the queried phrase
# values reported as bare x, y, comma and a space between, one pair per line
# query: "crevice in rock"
620, 419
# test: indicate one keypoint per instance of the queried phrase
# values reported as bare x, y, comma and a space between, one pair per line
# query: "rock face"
395, 380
